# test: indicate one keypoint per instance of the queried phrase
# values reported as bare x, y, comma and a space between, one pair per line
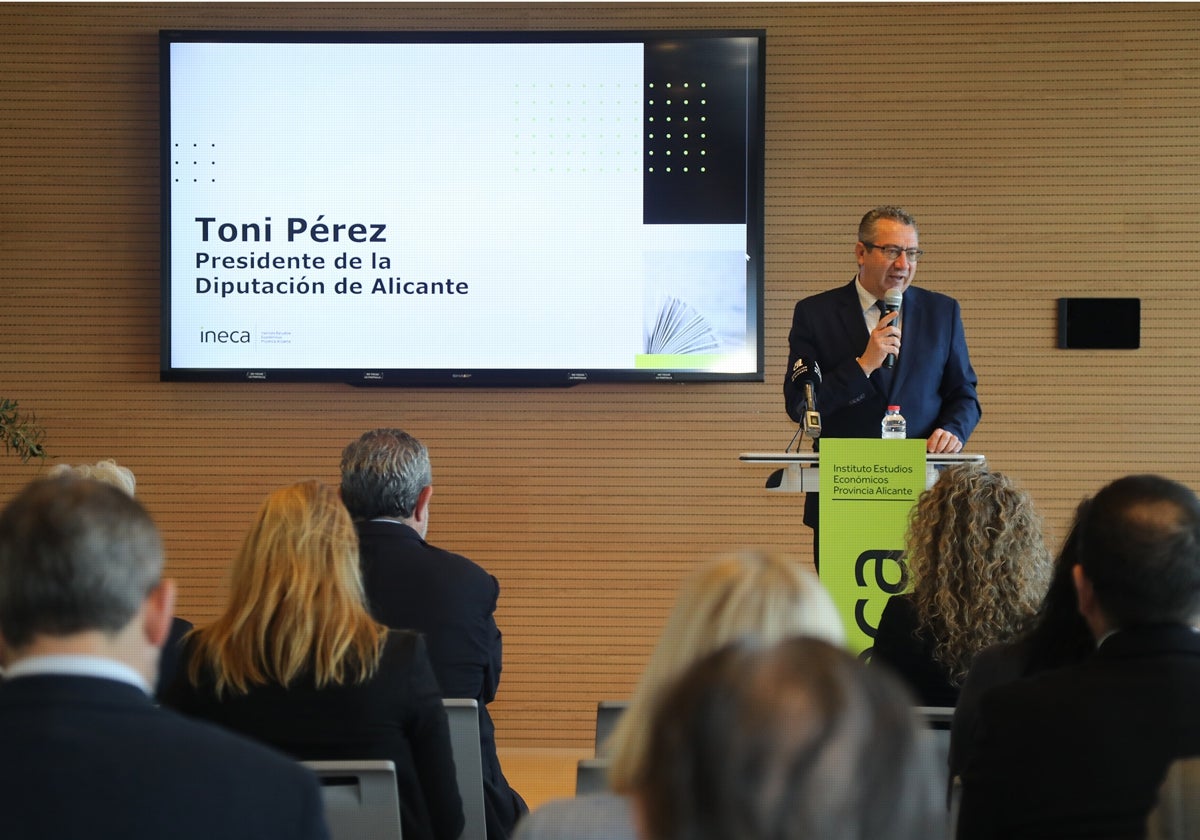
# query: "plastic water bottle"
894, 427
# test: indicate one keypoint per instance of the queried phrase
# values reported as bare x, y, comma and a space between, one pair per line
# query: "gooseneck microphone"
807, 377
892, 299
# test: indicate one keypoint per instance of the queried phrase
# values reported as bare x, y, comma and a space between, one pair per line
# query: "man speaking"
846, 334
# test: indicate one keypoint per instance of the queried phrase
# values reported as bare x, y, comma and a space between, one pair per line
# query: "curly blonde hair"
977, 561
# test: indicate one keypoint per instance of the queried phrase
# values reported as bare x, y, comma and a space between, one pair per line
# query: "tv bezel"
493, 377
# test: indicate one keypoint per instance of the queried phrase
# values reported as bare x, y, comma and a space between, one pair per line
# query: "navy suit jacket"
932, 382
452, 602
1080, 751
396, 715
92, 757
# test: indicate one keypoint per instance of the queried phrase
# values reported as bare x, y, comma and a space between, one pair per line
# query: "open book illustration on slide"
679, 328
695, 305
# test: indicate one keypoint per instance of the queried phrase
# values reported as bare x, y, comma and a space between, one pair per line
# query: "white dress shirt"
77, 665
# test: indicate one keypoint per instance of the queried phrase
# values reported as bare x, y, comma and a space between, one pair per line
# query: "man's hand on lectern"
943, 441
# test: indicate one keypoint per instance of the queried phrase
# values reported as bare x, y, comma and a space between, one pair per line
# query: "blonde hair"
108, 471
296, 605
755, 595
978, 563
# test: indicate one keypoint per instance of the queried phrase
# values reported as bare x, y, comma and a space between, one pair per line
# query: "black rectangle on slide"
1099, 323
698, 117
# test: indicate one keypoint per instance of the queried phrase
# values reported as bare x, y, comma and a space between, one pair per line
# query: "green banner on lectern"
868, 488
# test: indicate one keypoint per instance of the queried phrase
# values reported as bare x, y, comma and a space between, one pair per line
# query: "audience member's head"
1060, 635
80, 572
753, 595
1139, 554
793, 741
386, 473
978, 562
108, 471
296, 600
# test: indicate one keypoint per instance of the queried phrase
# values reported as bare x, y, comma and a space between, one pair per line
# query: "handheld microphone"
892, 299
808, 377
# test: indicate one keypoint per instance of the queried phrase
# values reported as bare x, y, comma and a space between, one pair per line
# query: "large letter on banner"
868, 488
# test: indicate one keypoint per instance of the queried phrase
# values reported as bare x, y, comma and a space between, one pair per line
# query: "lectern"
801, 471
868, 488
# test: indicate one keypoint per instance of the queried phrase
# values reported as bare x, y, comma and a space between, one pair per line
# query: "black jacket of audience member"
907, 648
452, 602
1059, 636
1079, 751
397, 715
87, 757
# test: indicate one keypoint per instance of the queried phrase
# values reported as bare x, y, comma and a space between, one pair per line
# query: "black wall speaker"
1099, 323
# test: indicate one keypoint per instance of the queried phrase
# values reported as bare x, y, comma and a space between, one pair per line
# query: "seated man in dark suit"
85, 752
387, 483
1080, 751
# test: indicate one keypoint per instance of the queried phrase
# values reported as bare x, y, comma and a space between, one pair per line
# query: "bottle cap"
893, 408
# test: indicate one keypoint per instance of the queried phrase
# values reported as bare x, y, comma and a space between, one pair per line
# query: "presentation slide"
420, 206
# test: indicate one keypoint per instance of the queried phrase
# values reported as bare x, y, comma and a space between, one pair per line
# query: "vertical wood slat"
1048, 150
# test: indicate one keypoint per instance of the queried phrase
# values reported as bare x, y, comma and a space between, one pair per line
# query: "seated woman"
1059, 636
752, 595
978, 567
296, 661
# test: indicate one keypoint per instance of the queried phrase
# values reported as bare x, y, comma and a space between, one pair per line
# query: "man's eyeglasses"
893, 252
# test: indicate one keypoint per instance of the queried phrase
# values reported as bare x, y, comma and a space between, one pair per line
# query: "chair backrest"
591, 776
938, 717
932, 774
468, 764
608, 712
955, 801
360, 797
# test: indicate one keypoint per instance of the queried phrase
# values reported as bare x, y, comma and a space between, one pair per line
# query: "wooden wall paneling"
1047, 149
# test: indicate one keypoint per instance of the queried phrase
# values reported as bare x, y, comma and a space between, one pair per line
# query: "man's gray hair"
76, 554
108, 471
866, 226
383, 473
788, 742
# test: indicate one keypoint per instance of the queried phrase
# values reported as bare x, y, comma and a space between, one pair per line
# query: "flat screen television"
483, 208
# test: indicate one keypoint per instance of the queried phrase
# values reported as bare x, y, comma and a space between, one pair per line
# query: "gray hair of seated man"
76, 554
383, 473
794, 741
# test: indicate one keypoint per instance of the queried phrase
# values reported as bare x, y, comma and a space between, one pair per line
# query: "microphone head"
892, 298
803, 370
